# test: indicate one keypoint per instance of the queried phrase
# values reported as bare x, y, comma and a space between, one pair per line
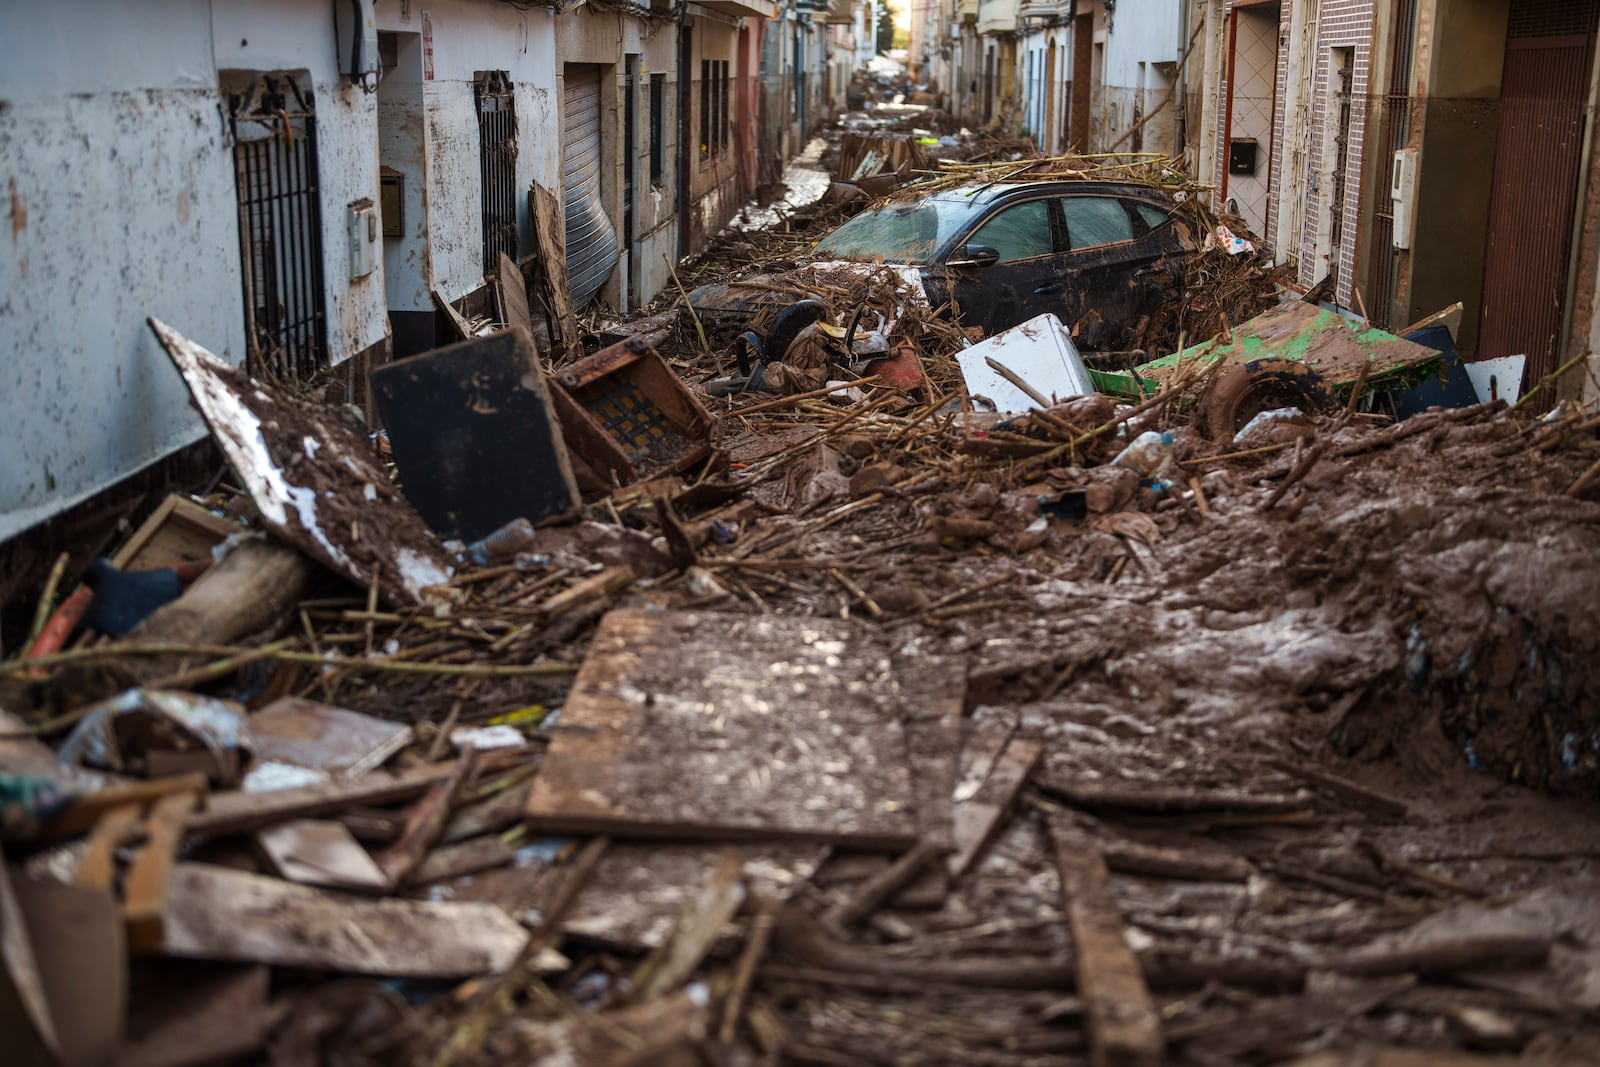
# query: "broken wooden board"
321, 852
342, 743
1124, 1028
514, 294
177, 531
464, 857
553, 286
314, 479
214, 913
77, 941
637, 890
933, 695
475, 436
980, 816
731, 727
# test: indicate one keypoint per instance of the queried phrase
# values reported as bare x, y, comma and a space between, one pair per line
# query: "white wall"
469, 36
120, 187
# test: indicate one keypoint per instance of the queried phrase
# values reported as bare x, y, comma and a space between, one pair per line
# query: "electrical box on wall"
1403, 195
362, 226
356, 31
1242, 155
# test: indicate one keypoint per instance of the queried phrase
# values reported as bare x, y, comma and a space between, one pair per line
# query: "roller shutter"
591, 238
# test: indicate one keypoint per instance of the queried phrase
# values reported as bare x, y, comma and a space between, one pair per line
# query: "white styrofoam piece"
1506, 372
1040, 352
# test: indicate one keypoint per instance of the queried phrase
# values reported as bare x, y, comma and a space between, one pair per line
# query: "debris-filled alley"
947, 597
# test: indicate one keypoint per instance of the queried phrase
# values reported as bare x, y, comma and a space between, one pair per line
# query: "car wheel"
1246, 390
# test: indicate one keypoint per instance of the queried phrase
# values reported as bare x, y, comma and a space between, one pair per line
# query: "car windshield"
899, 233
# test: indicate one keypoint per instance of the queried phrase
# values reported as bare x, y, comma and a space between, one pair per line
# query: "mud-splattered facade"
120, 157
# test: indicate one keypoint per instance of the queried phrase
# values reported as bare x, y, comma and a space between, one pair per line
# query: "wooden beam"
1124, 1028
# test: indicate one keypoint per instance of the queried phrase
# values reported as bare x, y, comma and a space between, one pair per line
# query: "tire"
788, 324
1246, 390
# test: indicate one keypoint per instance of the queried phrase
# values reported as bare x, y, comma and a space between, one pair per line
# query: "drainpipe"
1227, 114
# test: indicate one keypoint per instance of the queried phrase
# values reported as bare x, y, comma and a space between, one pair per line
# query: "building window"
280, 227
707, 92
726, 124
658, 129
497, 164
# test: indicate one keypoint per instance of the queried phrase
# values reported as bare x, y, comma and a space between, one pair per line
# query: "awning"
758, 9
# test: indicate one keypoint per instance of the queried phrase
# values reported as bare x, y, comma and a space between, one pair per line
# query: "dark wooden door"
1537, 162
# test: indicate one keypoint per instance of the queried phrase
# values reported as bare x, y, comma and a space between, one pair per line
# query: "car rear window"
899, 233
1095, 220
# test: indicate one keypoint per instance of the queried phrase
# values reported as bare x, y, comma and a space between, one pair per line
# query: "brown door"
1537, 160
1082, 45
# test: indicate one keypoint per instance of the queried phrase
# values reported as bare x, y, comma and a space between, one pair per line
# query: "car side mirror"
976, 256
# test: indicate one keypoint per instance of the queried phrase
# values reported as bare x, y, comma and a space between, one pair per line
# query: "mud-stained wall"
119, 186
1142, 51
714, 175
297, 35
606, 38
468, 36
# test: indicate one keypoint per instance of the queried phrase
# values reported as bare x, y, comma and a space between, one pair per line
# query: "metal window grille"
497, 164
726, 127
707, 91
658, 129
280, 227
1341, 149
1396, 134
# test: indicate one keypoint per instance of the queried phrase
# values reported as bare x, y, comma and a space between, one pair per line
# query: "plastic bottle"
1150, 454
516, 536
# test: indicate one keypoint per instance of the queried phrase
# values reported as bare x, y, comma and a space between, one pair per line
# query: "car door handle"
1053, 287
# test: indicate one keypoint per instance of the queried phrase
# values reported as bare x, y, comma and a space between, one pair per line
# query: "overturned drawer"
627, 417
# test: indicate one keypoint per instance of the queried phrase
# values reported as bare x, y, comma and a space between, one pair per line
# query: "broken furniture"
475, 436
313, 476
628, 417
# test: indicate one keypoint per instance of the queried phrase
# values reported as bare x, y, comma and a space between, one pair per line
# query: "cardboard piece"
321, 852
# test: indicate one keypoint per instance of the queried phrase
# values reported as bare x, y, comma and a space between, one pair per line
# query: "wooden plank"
98, 867
321, 852
426, 822
1164, 799
731, 727
177, 531
237, 812
979, 818
84, 811
460, 328
550, 242
697, 930
144, 891
465, 857
219, 914
323, 737
514, 295
1124, 1027
934, 697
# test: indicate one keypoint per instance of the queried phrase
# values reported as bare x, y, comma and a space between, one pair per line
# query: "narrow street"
739, 534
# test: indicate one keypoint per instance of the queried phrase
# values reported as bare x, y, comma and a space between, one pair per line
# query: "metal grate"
1341, 149
497, 164
1551, 18
632, 418
280, 227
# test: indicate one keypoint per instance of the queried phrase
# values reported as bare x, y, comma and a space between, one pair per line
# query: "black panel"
474, 435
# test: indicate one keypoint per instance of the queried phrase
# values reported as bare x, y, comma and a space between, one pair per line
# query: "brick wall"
1342, 24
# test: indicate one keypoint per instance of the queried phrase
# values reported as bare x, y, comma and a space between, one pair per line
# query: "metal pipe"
1227, 116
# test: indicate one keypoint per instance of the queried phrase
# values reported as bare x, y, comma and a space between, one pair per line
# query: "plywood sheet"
219, 914
725, 727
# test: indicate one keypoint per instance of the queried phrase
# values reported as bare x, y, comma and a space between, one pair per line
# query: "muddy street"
983, 611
